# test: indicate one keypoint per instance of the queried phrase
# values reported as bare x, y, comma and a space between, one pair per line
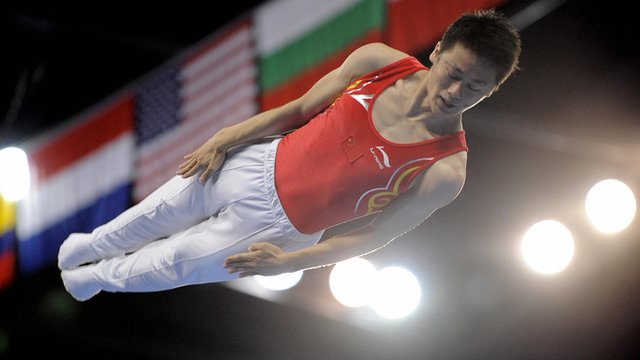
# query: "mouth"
446, 105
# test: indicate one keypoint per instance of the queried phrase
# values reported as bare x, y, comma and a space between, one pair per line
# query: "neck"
439, 126
416, 111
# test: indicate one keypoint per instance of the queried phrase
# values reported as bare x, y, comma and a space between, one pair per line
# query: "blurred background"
105, 100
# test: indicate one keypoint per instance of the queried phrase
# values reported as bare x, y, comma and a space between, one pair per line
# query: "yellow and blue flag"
7, 243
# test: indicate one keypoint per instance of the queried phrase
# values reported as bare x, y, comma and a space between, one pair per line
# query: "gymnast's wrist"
292, 261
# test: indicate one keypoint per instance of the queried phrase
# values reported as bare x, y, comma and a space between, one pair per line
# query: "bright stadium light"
610, 206
279, 282
351, 282
397, 293
547, 247
15, 180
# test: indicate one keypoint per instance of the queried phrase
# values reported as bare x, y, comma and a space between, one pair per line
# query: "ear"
435, 53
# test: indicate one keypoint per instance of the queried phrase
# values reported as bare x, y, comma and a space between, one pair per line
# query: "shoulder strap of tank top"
447, 145
394, 70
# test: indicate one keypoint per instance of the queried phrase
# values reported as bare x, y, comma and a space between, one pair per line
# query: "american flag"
183, 103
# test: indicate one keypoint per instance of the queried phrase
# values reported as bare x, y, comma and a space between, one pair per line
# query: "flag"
184, 102
81, 177
300, 41
7, 243
414, 26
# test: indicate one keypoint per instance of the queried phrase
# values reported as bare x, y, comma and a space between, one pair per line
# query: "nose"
455, 90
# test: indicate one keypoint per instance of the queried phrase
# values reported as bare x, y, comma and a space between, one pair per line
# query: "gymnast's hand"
207, 158
262, 259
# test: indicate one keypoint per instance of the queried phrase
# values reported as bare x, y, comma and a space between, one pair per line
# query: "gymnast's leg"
249, 212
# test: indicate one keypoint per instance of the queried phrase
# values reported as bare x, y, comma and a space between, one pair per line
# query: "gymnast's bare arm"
440, 185
210, 155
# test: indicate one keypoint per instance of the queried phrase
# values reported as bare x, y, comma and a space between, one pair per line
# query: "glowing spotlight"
15, 180
548, 247
351, 282
279, 282
397, 293
611, 206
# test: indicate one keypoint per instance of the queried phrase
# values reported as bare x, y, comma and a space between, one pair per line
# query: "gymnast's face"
458, 80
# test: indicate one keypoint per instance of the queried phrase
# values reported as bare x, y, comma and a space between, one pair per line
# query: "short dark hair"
488, 34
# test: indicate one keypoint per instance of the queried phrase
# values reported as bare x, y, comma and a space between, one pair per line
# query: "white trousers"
181, 234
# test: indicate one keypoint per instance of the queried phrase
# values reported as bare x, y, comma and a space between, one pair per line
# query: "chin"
445, 112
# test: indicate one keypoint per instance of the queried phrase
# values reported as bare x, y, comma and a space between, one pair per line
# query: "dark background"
566, 120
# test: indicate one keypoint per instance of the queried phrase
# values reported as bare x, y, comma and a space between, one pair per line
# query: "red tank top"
338, 167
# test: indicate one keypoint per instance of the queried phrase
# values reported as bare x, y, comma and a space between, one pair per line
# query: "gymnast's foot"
75, 251
80, 283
